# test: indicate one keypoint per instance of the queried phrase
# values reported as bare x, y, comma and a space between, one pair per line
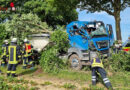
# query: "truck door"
110, 34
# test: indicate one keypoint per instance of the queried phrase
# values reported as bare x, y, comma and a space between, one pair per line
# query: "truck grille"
102, 44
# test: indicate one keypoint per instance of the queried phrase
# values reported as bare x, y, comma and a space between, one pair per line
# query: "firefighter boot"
14, 75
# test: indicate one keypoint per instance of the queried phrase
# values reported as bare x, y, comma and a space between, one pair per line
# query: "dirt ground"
54, 83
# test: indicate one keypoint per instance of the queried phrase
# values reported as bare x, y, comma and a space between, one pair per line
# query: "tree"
3, 35
5, 9
112, 7
22, 25
48, 11
51, 11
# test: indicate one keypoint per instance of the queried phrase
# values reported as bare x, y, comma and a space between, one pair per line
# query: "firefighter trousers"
103, 75
11, 70
3, 62
25, 61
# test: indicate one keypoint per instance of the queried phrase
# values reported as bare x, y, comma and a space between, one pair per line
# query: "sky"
108, 19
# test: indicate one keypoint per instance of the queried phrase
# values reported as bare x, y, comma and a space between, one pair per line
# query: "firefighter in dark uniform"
97, 67
27, 51
14, 52
4, 53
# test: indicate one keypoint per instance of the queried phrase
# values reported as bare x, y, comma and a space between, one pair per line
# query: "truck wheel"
75, 62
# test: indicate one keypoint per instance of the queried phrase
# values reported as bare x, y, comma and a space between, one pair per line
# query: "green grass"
33, 83
19, 70
121, 80
46, 83
11, 84
69, 86
73, 75
118, 79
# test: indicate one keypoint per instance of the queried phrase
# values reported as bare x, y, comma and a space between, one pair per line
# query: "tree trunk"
118, 28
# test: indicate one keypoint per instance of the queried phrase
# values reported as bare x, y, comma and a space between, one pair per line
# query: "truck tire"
75, 62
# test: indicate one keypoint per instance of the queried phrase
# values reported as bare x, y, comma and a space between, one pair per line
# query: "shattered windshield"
100, 31
97, 30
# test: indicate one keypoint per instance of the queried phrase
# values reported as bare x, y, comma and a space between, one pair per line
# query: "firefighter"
27, 51
4, 53
97, 67
14, 52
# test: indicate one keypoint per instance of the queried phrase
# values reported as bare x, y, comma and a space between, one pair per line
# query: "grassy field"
119, 80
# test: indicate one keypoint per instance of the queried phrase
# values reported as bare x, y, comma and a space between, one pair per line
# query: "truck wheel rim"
74, 63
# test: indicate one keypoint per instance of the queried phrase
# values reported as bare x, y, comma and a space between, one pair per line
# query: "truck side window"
76, 30
75, 27
89, 31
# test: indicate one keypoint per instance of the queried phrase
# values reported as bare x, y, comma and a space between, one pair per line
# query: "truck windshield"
99, 32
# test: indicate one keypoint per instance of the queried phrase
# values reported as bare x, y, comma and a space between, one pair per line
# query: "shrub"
2, 35
118, 62
60, 38
50, 61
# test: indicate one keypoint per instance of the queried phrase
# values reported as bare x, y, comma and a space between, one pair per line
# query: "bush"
2, 35
60, 39
50, 61
118, 62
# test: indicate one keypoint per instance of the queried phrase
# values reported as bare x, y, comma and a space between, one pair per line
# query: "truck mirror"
110, 30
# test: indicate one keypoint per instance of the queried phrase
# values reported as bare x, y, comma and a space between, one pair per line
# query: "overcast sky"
107, 19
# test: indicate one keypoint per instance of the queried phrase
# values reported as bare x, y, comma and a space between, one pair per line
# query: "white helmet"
5, 41
14, 40
25, 40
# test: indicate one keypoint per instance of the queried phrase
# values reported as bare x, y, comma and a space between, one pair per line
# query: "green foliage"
3, 35
104, 5
21, 26
118, 62
60, 39
50, 61
54, 12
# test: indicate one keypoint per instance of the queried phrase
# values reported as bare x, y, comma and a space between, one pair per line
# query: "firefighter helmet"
14, 40
5, 41
25, 40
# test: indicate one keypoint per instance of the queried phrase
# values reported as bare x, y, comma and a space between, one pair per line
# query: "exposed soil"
56, 83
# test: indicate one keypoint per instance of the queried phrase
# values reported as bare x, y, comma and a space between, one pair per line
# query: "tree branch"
106, 10
112, 2
124, 1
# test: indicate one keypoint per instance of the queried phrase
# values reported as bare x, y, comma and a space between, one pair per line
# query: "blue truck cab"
85, 36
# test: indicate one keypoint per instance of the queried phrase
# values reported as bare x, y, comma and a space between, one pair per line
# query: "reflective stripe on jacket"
13, 57
96, 62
